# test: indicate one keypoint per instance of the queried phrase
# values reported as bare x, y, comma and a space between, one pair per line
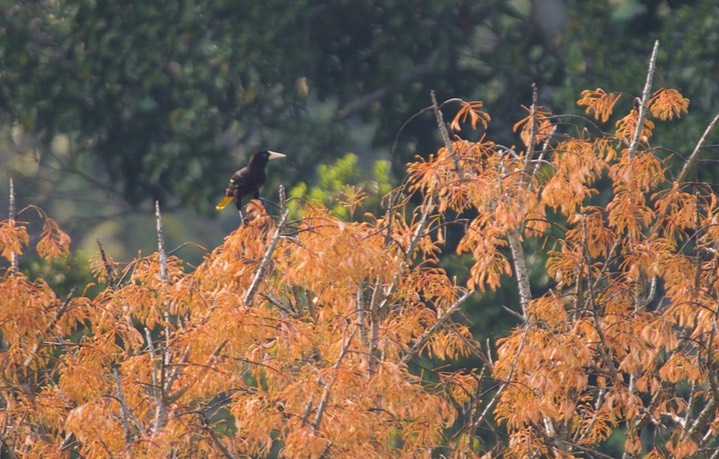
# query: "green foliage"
63, 274
345, 184
610, 46
153, 96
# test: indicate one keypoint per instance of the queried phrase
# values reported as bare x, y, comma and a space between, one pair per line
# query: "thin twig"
445, 135
704, 418
422, 341
362, 314
125, 410
326, 392
515, 362
645, 101
218, 441
693, 157
249, 296
175, 372
307, 411
545, 146
161, 242
109, 267
532, 132
11, 217
58, 315
423, 221
374, 319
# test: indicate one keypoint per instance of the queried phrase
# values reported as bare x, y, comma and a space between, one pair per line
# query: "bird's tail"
222, 204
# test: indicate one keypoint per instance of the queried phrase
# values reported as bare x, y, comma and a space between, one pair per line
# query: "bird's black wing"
235, 189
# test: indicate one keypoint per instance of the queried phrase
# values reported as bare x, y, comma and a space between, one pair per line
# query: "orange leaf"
12, 239
667, 103
599, 101
470, 110
53, 242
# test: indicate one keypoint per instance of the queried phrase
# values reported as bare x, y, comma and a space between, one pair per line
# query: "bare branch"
218, 442
175, 372
693, 157
203, 414
520, 268
374, 327
11, 217
362, 314
543, 151
423, 221
326, 392
161, 242
58, 315
308, 409
646, 93
445, 135
495, 399
283, 199
249, 296
124, 408
706, 416
532, 132
109, 267
422, 341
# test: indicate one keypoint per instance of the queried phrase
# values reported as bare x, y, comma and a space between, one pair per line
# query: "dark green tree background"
150, 97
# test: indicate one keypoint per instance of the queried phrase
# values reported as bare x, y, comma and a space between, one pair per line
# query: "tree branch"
693, 158
326, 392
11, 217
161, 242
432, 330
423, 221
532, 132
249, 296
109, 267
445, 135
645, 100
520, 268
125, 410
704, 418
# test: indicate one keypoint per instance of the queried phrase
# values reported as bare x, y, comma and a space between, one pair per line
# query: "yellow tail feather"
226, 200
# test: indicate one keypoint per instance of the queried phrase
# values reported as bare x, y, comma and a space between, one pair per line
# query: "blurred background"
106, 107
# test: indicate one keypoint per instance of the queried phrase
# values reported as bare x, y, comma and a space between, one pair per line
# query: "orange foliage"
543, 127
598, 101
470, 111
298, 339
665, 104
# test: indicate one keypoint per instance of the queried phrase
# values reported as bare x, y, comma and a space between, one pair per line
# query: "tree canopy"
316, 336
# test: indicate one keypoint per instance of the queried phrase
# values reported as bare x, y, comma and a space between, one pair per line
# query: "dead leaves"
470, 111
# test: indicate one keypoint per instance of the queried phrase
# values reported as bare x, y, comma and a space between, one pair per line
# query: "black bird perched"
248, 180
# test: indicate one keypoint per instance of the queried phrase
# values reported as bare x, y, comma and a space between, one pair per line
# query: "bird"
248, 180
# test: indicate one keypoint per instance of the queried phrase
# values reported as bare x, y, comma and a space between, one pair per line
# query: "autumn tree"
321, 337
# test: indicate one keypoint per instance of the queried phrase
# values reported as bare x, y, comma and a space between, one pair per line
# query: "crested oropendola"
248, 180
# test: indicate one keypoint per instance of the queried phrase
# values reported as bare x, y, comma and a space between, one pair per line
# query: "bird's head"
261, 158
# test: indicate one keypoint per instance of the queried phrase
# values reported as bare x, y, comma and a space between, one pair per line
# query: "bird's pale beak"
275, 155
